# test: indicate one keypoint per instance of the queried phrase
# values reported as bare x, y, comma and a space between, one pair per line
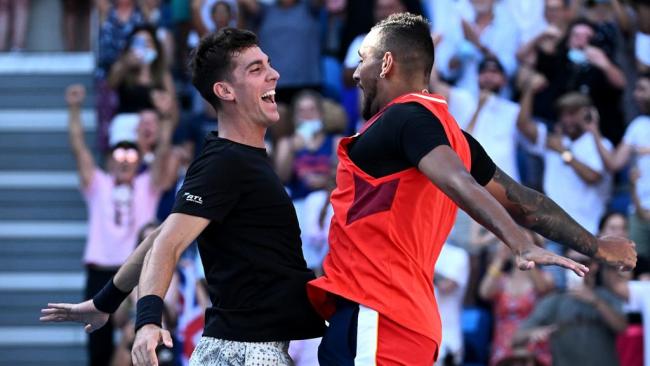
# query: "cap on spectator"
123, 127
491, 63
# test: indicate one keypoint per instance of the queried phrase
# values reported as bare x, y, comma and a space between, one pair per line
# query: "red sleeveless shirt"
386, 234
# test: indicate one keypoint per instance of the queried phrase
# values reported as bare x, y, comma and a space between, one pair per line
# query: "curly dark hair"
408, 37
212, 60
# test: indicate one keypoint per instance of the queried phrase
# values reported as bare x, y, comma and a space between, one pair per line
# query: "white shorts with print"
218, 352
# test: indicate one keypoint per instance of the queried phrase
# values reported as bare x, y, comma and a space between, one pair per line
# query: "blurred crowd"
557, 92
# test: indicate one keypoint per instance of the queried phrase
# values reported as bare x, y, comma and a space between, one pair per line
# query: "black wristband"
109, 298
149, 311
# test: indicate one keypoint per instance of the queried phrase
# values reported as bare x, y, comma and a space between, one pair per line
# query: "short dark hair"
408, 37
212, 59
124, 144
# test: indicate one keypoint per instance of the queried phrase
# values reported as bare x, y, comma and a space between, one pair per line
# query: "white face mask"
309, 128
573, 281
577, 56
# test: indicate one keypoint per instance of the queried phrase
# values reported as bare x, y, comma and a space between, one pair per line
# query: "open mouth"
269, 97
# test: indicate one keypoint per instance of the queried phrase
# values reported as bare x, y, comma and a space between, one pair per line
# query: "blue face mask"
148, 55
309, 128
577, 56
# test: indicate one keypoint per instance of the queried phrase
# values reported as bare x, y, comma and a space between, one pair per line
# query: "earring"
382, 75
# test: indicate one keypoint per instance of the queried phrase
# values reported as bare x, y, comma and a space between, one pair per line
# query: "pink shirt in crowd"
115, 215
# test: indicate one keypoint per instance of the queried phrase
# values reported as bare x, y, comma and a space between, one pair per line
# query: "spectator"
513, 294
450, 282
14, 13
295, 23
571, 159
220, 14
472, 33
547, 34
76, 25
635, 144
571, 162
581, 324
140, 71
118, 20
579, 65
120, 201
304, 159
494, 121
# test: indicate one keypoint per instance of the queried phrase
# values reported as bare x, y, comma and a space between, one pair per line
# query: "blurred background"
99, 121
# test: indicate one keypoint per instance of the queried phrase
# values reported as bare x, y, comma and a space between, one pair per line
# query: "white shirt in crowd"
452, 264
496, 130
313, 236
501, 36
642, 48
584, 202
637, 135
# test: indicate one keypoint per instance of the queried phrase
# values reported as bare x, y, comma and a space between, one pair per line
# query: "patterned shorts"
218, 352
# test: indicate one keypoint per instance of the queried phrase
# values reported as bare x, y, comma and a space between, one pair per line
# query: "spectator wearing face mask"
120, 201
579, 64
141, 70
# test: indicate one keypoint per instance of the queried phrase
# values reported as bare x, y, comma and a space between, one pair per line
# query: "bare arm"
159, 265
85, 162
613, 160
197, 19
490, 283
539, 213
175, 236
164, 169
444, 168
525, 123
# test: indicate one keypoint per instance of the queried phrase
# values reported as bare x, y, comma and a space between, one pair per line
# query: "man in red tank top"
399, 184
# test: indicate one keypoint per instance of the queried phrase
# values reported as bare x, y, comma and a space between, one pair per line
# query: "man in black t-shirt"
247, 229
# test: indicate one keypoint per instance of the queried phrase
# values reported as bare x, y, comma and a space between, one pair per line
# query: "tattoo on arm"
539, 213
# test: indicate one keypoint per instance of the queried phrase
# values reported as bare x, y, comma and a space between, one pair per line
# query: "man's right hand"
146, 340
75, 95
85, 313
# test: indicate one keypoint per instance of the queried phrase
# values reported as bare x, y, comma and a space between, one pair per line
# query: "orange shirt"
387, 233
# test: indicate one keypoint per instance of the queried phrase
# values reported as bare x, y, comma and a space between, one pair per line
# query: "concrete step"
38, 80
42, 355
31, 202
41, 255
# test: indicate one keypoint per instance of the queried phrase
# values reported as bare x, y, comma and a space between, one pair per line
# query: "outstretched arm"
74, 96
539, 213
445, 169
86, 312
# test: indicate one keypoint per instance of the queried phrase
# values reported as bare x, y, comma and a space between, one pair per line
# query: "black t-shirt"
251, 250
402, 136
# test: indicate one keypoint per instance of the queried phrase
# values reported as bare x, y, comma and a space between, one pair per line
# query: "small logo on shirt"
193, 198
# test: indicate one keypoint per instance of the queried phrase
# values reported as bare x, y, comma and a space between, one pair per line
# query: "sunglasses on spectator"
125, 155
